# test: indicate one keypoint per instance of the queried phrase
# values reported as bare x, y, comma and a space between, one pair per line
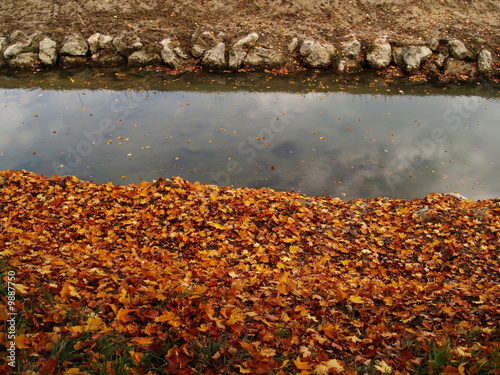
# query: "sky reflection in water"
330, 143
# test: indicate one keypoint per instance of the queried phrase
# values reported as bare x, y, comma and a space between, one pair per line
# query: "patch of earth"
276, 21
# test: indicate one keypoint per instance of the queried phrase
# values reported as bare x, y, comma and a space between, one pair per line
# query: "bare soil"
277, 21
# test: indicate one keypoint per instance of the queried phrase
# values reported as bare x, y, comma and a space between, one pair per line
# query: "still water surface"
308, 133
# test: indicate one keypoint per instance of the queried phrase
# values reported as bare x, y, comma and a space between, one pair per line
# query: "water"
310, 133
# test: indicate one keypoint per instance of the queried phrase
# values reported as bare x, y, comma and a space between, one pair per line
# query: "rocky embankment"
445, 59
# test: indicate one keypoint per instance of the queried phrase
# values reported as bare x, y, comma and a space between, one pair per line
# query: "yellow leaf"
383, 367
321, 369
447, 310
199, 290
463, 351
77, 329
170, 318
21, 288
293, 249
93, 323
268, 352
7, 252
236, 316
73, 370
356, 299
245, 370
334, 364
216, 225
461, 368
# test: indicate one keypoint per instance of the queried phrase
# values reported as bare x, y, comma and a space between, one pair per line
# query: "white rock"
93, 42
15, 49
243, 42
47, 52
379, 55
459, 51
484, 62
75, 45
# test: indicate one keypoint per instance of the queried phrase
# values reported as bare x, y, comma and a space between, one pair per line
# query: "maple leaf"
383, 367
123, 316
335, 364
326, 367
321, 369
73, 370
7, 252
69, 290
356, 299
22, 341
123, 297
94, 323
143, 340
267, 352
169, 317
21, 288
302, 365
236, 316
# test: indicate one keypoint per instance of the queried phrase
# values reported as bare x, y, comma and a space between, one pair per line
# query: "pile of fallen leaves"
175, 277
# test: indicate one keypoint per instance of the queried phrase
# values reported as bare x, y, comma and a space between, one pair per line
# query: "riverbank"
451, 41
183, 278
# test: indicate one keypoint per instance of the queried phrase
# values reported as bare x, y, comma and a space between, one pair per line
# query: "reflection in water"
351, 145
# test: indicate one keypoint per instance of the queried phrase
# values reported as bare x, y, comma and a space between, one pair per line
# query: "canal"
314, 133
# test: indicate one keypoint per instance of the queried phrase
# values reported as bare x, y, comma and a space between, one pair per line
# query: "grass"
98, 354
156, 360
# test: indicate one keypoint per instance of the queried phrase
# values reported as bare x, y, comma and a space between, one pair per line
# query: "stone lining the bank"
444, 58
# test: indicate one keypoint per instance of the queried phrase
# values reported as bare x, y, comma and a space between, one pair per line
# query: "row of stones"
20, 51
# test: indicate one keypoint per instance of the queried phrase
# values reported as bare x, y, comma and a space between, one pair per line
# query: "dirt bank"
153, 19
474, 22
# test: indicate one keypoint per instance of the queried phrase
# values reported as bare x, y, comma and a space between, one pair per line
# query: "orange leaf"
68, 290
22, 341
143, 340
340, 295
124, 298
302, 365
123, 315
170, 318
137, 356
